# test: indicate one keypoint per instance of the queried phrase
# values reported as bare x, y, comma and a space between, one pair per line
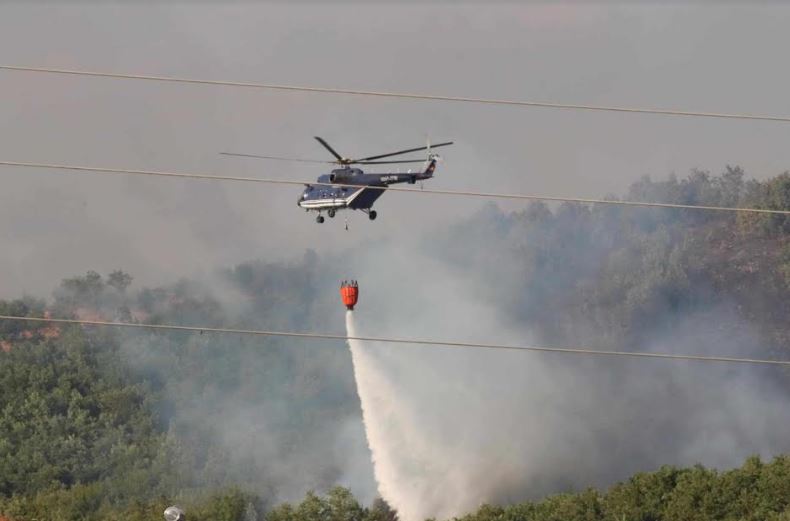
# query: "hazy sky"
727, 58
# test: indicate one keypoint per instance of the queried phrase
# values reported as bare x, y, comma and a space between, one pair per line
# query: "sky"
722, 58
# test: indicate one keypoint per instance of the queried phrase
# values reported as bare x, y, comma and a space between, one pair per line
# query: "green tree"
119, 280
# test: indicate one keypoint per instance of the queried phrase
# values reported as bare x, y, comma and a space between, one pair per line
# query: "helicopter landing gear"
319, 219
372, 215
331, 213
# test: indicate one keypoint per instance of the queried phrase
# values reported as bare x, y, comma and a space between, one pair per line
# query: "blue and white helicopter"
329, 194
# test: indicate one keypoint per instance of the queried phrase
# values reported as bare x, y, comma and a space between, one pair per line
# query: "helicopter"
328, 193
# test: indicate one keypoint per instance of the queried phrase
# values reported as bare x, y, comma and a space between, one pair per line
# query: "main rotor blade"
387, 162
277, 158
332, 150
402, 152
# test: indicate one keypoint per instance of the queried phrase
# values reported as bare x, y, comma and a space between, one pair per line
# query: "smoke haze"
447, 429
450, 429
700, 56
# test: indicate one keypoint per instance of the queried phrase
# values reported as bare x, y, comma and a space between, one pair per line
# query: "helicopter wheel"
331, 213
372, 215
319, 219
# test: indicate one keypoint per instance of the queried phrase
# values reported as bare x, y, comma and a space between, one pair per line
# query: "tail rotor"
431, 154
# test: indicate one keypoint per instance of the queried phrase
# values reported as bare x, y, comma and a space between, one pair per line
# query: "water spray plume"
383, 420
406, 464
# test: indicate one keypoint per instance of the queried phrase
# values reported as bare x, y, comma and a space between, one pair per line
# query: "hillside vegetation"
100, 423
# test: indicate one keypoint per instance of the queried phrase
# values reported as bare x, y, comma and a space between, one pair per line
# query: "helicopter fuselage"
350, 188
330, 193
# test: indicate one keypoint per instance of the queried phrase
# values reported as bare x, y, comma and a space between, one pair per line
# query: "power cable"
490, 195
400, 95
414, 341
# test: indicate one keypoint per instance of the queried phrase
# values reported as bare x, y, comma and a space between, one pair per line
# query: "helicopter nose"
302, 197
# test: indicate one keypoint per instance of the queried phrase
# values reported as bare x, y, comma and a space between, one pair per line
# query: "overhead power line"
400, 95
489, 195
413, 341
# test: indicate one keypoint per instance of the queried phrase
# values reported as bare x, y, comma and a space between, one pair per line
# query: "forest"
114, 424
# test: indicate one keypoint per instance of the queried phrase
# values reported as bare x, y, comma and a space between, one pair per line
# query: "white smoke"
452, 428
